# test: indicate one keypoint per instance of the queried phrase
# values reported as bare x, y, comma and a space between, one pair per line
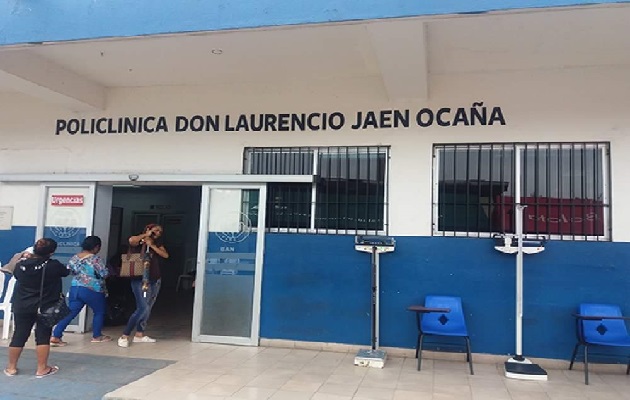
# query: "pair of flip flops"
101, 339
51, 371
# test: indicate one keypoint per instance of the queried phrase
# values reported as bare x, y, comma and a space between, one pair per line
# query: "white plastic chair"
189, 268
6, 307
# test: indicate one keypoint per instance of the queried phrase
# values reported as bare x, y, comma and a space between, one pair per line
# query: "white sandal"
143, 339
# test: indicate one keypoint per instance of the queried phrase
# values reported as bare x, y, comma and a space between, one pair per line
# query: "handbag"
131, 264
51, 315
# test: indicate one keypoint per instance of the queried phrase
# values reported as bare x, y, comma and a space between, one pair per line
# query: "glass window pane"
475, 188
562, 187
230, 269
351, 190
288, 205
349, 187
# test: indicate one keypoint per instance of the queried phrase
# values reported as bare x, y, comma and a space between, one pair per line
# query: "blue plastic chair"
449, 324
600, 325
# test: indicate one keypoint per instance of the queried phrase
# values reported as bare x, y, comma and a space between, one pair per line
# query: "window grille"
279, 161
348, 194
564, 186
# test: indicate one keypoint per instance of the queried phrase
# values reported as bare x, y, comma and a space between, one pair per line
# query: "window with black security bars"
564, 186
348, 194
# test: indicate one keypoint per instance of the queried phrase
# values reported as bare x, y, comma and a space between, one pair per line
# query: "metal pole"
374, 298
518, 230
377, 299
519, 282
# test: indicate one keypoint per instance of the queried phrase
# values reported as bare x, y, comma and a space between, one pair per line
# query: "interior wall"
24, 200
176, 207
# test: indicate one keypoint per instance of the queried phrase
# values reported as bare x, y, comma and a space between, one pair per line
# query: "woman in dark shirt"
26, 301
145, 290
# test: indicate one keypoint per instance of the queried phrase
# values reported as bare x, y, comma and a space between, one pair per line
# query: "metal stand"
518, 367
374, 245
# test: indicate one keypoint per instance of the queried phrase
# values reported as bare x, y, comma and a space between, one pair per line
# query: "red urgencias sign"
67, 200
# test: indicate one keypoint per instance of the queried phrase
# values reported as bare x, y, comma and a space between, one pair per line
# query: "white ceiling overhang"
402, 58
403, 53
26, 72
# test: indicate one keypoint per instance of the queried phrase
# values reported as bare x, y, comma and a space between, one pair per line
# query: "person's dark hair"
44, 247
90, 243
150, 226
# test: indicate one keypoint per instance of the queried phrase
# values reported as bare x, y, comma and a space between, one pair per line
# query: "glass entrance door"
66, 215
229, 268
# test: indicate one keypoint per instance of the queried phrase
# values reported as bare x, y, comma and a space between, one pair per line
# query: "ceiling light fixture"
217, 51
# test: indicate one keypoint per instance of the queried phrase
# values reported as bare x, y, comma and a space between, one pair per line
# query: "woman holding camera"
145, 289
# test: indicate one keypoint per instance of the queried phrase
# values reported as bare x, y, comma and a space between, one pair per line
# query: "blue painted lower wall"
14, 240
317, 288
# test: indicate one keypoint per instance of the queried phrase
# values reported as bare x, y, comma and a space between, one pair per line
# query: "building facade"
303, 126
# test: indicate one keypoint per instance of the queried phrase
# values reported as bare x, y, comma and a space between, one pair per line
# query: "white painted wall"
24, 198
562, 104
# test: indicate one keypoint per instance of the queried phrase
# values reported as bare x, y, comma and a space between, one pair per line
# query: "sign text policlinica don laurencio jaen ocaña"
477, 114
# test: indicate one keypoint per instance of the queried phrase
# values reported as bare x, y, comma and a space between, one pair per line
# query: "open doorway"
177, 209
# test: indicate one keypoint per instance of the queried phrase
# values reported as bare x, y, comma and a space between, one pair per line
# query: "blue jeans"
79, 297
140, 317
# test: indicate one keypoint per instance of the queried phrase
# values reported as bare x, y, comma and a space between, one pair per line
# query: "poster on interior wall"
68, 238
6, 218
477, 114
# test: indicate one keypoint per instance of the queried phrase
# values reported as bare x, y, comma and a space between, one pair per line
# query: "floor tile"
375, 393
328, 396
338, 389
291, 395
252, 393
301, 386
193, 371
411, 395
216, 389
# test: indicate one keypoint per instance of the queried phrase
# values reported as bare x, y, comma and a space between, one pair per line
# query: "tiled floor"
212, 372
